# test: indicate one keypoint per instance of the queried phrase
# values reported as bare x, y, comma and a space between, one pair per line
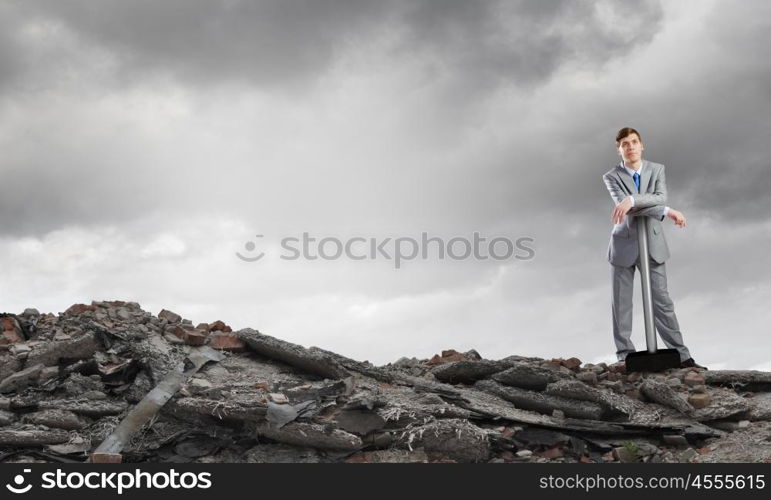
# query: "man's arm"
657, 197
614, 188
657, 212
626, 203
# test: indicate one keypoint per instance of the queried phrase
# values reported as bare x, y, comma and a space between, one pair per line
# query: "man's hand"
677, 217
621, 210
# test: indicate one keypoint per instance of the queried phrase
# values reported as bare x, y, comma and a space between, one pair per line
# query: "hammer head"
644, 361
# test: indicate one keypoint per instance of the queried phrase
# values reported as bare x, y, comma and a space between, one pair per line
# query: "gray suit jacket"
649, 202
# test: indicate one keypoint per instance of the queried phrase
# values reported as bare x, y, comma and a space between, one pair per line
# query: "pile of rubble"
111, 382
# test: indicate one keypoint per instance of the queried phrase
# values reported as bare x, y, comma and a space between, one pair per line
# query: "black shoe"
690, 363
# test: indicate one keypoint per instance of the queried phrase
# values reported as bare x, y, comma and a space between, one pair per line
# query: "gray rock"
724, 404
542, 403
295, 355
169, 316
665, 395
743, 379
57, 419
675, 440
51, 352
528, 376
6, 418
533, 436
614, 405
687, 455
282, 454
360, 422
467, 372
457, 439
21, 380
587, 377
33, 437
310, 435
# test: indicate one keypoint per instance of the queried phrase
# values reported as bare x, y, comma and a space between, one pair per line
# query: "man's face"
630, 148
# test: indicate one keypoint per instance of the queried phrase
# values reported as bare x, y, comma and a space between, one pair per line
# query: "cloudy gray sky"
143, 144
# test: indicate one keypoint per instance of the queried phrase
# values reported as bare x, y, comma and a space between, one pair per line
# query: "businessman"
638, 188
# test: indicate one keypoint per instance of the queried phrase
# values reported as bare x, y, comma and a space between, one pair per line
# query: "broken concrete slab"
316, 362
6, 418
663, 394
540, 402
760, 407
308, 434
394, 456
751, 380
9, 364
614, 405
724, 404
32, 437
466, 372
86, 407
187, 408
21, 380
55, 418
277, 453
528, 376
457, 439
52, 352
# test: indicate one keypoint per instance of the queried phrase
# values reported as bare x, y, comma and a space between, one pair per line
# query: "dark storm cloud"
473, 46
277, 42
524, 42
10, 54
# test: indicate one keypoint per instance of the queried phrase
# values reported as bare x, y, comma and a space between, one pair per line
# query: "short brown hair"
625, 132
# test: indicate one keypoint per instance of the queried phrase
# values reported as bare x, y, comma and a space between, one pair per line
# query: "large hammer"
650, 360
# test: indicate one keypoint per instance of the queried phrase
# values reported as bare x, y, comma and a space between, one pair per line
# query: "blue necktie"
636, 178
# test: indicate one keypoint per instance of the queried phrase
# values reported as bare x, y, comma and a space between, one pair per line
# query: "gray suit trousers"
664, 316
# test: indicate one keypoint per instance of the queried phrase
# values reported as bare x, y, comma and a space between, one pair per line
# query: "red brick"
226, 341
552, 453
447, 356
191, 337
219, 326
106, 458
76, 309
10, 331
692, 379
169, 316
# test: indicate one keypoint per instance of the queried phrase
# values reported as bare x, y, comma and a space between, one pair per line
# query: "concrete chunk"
310, 360
466, 372
542, 403
21, 380
528, 376
665, 395
52, 352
